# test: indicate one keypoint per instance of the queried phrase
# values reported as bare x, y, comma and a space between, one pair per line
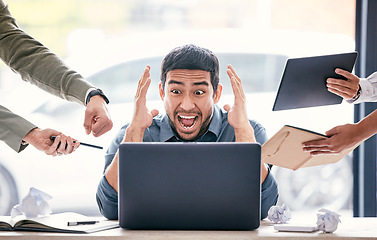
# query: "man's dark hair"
191, 57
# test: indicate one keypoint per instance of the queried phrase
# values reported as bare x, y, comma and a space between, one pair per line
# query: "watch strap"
96, 92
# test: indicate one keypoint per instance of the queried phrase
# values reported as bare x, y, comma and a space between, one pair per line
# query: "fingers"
101, 125
333, 131
63, 145
236, 83
97, 117
347, 89
342, 92
88, 122
342, 88
322, 146
317, 147
143, 83
316, 143
53, 149
349, 76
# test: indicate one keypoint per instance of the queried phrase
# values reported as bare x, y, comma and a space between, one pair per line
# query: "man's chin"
188, 136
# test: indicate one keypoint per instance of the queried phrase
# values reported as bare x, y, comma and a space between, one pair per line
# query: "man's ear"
217, 94
161, 91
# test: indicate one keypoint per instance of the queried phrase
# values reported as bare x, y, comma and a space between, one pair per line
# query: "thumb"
227, 107
332, 131
154, 112
88, 124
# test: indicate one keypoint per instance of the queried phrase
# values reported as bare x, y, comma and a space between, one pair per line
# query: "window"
110, 42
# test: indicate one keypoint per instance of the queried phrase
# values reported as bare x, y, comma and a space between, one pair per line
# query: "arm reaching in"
344, 137
142, 119
41, 67
237, 115
41, 140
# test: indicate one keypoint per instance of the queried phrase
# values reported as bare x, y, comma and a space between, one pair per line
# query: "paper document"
57, 223
284, 149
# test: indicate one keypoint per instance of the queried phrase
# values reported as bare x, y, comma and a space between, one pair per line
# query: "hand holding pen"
64, 145
41, 140
81, 143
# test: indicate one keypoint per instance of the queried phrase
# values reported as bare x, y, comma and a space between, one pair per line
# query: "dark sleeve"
269, 196
106, 196
259, 132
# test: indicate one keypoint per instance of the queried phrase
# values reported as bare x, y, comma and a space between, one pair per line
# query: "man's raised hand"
142, 117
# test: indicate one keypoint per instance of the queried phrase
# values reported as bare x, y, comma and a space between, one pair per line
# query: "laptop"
189, 186
303, 83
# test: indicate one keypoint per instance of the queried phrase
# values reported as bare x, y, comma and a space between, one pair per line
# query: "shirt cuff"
87, 93
366, 92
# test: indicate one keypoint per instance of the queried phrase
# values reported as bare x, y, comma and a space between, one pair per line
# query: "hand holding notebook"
285, 149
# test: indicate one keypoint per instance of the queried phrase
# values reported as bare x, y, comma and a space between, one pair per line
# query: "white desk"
349, 228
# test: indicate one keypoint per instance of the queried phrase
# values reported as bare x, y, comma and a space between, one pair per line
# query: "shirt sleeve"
269, 195
13, 128
106, 196
259, 132
107, 200
36, 63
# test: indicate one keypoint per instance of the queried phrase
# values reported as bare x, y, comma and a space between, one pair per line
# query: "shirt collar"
216, 122
166, 132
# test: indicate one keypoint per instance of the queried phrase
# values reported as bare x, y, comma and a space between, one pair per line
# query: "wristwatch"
97, 92
357, 94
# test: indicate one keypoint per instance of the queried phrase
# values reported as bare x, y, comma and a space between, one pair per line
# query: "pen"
82, 223
81, 143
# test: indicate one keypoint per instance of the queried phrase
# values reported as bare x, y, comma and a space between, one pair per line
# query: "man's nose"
187, 103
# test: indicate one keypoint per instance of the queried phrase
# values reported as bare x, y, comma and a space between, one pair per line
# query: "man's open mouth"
187, 122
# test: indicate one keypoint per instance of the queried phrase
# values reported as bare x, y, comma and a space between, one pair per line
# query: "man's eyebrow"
175, 82
201, 83
195, 83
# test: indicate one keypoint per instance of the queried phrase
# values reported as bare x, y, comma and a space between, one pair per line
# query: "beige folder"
284, 149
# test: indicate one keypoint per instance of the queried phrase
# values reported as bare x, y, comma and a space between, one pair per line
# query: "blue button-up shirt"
219, 130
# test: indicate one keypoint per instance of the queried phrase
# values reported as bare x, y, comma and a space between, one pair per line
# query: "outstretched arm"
237, 115
41, 67
344, 137
142, 119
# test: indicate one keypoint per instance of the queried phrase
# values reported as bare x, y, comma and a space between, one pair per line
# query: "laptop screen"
189, 185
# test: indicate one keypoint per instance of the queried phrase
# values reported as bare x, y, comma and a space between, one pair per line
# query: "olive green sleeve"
13, 129
36, 63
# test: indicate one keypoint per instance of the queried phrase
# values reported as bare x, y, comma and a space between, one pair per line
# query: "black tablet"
303, 83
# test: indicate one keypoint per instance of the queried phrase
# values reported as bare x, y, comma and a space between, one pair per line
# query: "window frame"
365, 156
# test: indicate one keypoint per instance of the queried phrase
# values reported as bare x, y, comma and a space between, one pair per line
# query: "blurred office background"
110, 42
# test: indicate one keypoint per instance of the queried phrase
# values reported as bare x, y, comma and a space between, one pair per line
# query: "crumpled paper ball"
327, 222
34, 204
279, 214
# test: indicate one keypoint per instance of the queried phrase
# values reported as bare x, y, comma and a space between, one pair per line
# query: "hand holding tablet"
303, 83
